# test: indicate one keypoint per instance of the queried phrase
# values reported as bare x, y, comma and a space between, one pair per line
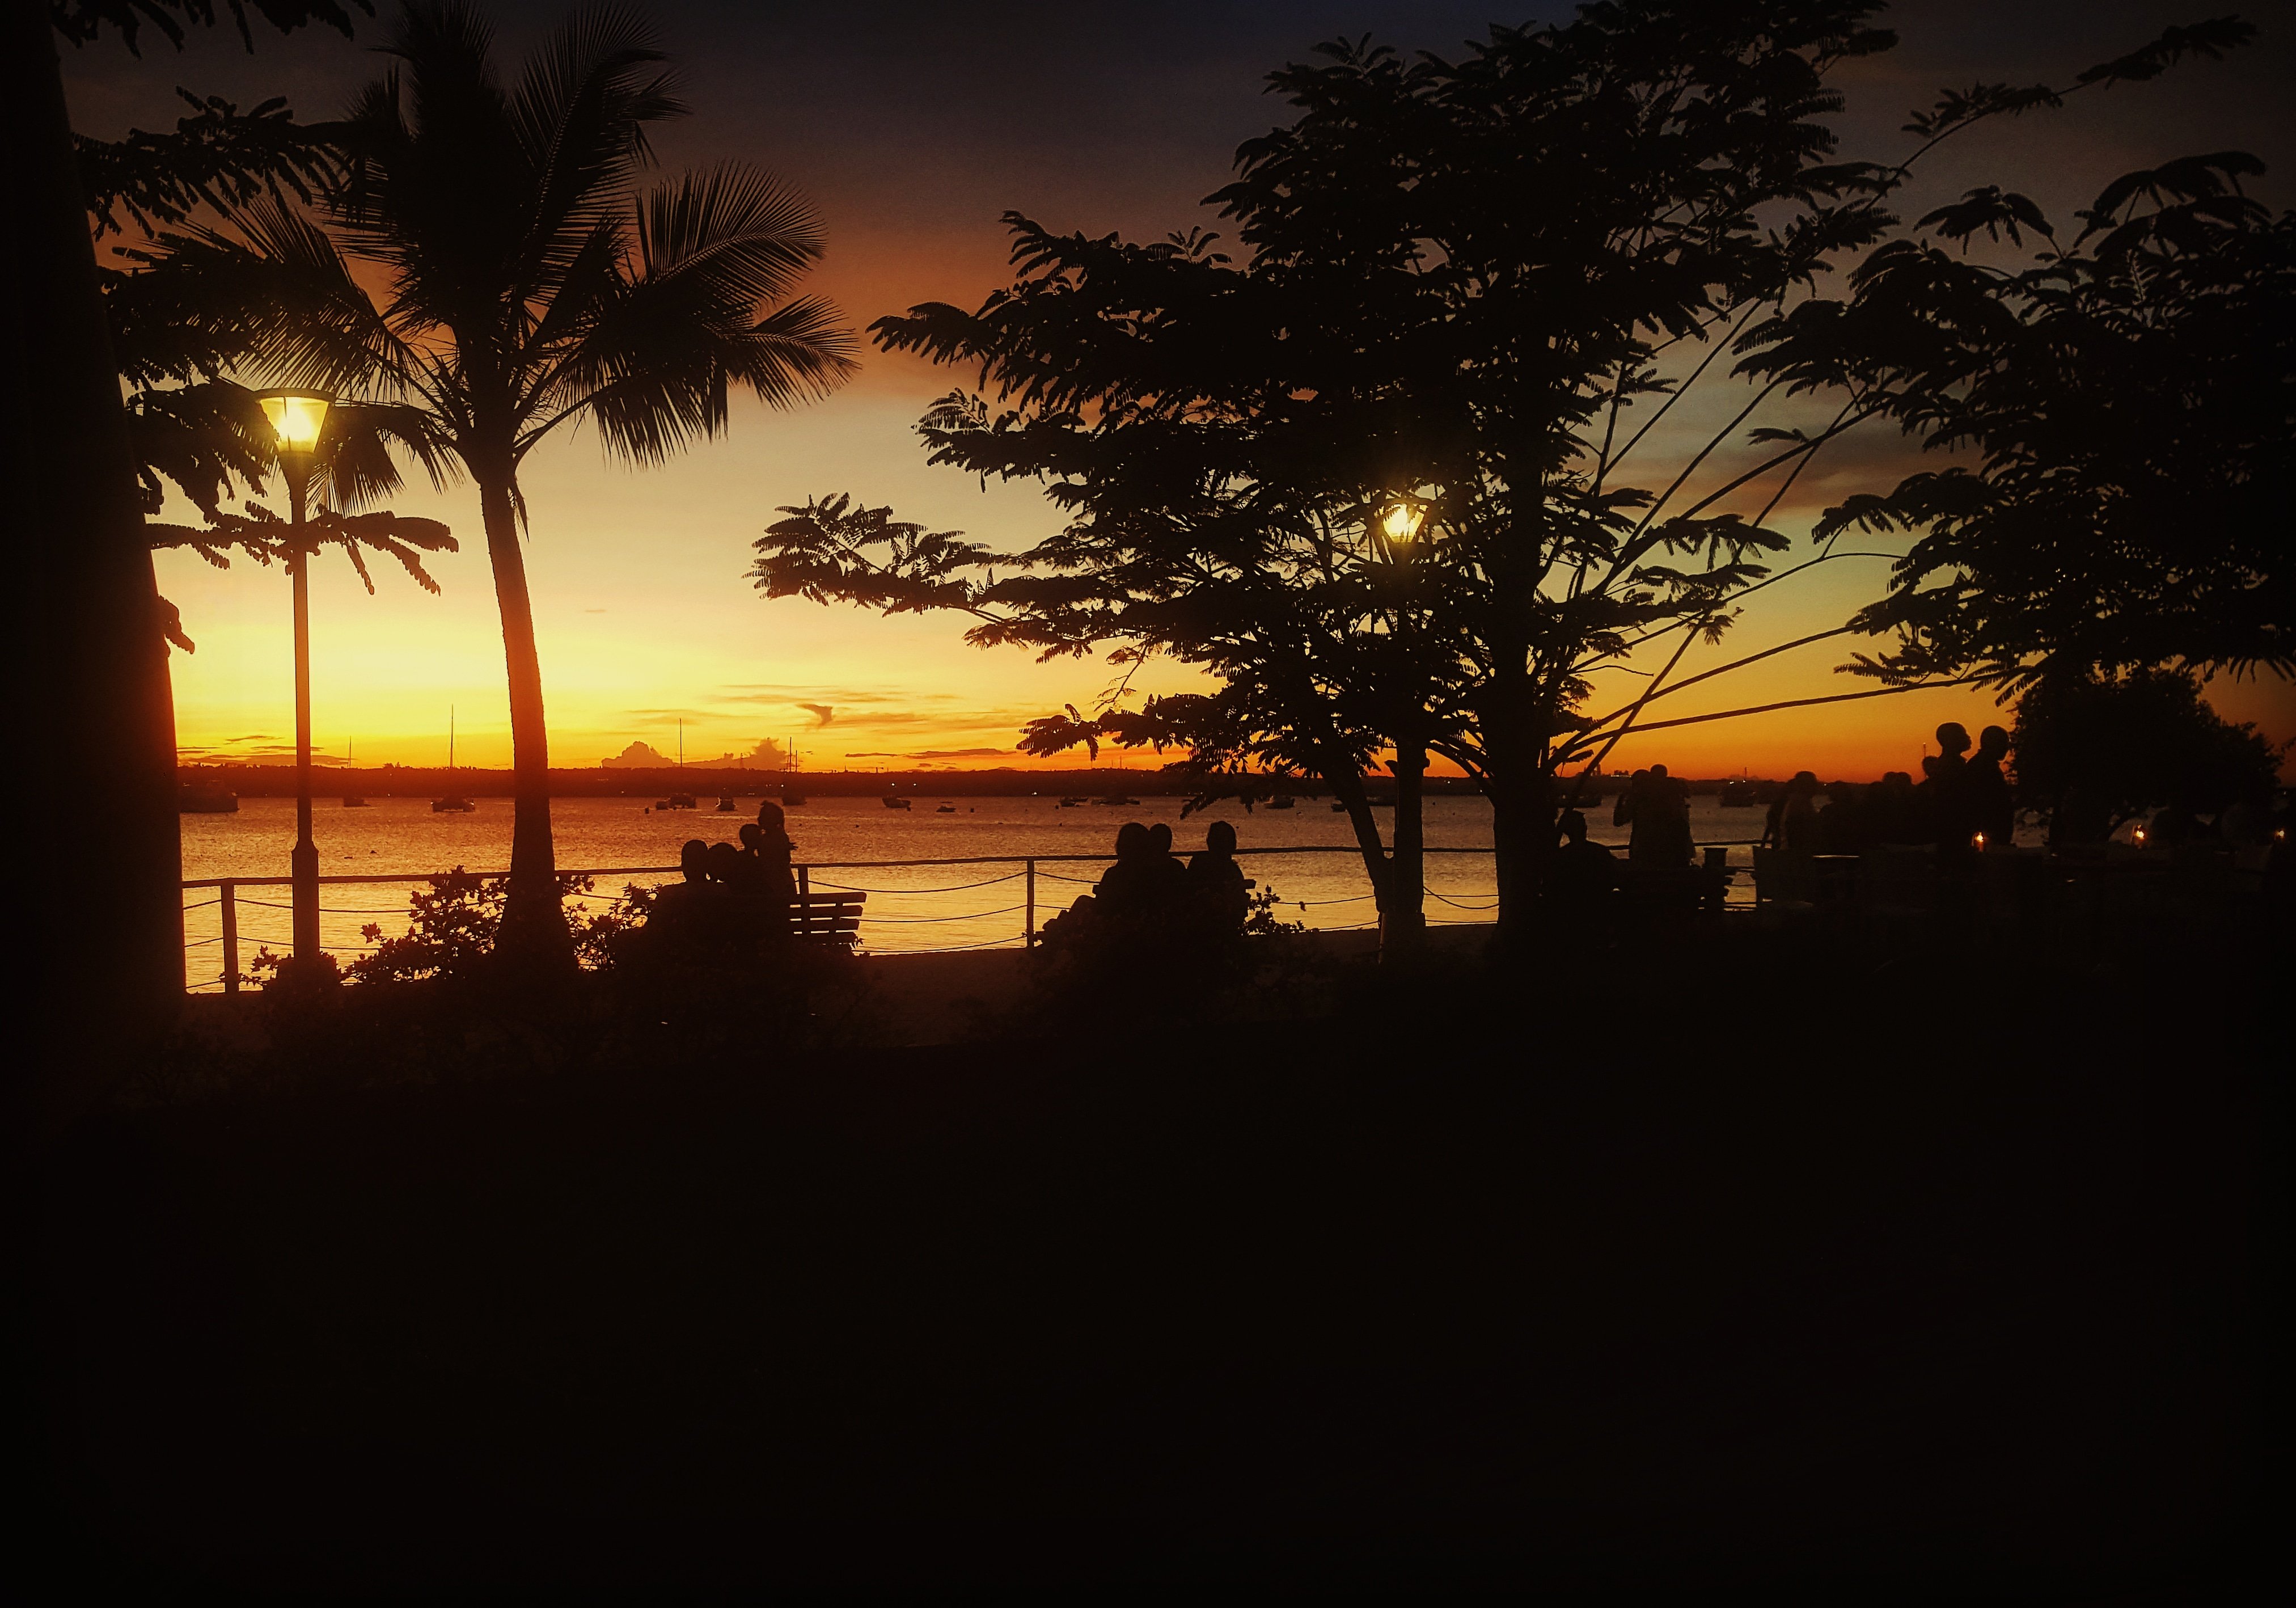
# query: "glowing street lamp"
1400, 524
298, 417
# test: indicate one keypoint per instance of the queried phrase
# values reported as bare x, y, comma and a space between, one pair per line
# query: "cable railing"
881, 931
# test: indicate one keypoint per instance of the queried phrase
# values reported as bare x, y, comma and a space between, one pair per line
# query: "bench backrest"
827, 918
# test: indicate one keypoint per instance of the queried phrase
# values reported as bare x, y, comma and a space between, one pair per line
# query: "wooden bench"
827, 918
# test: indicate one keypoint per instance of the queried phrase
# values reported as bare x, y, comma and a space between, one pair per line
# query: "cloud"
823, 712
942, 753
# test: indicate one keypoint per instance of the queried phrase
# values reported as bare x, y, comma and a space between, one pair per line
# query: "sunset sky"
913, 128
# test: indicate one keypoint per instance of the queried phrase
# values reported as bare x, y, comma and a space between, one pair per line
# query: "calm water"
910, 908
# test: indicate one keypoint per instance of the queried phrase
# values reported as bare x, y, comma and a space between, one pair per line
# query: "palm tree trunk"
532, 927
93, 675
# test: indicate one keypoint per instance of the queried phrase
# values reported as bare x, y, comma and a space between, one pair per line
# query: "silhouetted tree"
524, 284
87, 630
1462, 280
2129, 399
2094, 752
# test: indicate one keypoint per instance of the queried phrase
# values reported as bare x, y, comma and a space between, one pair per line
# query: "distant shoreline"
407, 782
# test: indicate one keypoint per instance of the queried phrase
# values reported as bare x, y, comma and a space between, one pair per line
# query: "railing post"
230, 899
804, 910
1030, 942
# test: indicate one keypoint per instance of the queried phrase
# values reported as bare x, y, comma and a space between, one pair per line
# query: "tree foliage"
1468, 290
490, 263
2094, 751
2126, 406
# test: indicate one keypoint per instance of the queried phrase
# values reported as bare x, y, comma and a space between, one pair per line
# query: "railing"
1031, 871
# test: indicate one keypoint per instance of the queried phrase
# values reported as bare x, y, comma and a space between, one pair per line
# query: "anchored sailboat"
453, 800
351, 800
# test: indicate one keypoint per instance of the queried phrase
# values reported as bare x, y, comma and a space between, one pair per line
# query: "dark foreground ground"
1806, 1290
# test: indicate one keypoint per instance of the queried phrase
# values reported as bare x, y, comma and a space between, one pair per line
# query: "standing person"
774, 852
1657, 807
1792, 822
1992, 808
1951, 811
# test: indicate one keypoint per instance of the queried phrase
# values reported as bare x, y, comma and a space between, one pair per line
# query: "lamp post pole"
297, 419
304, 863
1403, 925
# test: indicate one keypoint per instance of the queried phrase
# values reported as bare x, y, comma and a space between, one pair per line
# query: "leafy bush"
454, 925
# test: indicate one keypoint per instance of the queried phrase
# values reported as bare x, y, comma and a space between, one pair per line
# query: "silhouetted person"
1217, 883
1657, 809
1952, 817
1896, 810
769, 842
1843, 826
1992, 808
1793, 823
1168, 877
1583, 874
1128, 888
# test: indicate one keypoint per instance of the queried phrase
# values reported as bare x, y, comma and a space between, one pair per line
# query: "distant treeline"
406, 782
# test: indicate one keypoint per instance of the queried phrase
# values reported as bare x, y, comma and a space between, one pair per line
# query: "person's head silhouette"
1219, 837
1953, 738
771, 820
1131, 840
1574, 825
1658, 773
753, 835
694, 860
1804, 783
1160, 838
1993, 743
723, 861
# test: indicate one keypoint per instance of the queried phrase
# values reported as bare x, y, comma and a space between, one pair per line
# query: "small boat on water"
1338, 810
726, 806
351, 800
454, 803
1073, 803
192, 799
1117, 801
891, 802
946, 809
791, 798
678, 801
1286, 802
1740, 795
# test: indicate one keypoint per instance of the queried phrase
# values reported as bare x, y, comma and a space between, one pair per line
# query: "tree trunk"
1402, 917
1523, 838
92, 677
1350, 787
532, 927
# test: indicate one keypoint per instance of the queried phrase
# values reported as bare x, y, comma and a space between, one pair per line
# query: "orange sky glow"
644, 615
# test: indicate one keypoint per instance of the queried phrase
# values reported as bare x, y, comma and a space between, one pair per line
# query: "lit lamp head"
297, 417
1400, 523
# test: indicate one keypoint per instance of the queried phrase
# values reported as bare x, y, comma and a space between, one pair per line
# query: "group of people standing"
1961, 805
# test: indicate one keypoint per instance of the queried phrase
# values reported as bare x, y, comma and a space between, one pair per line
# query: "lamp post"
296, 418
1402, 928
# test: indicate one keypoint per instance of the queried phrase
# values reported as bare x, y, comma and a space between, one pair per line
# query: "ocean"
910, 908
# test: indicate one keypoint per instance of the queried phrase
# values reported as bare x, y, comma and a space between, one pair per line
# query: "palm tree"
522, 284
